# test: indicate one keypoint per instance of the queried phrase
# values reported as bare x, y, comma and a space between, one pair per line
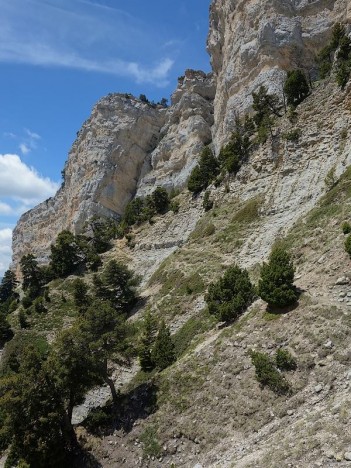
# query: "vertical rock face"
186, 131
254, 42
100, 176
128, 147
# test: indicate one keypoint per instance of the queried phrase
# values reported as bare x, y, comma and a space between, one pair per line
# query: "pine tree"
80, 295
8, 286
32, 276
116, 284
163, 353
104, 330
230, 296
296, 87
277, 277
146, 342
65, 254
204, 173
160, 200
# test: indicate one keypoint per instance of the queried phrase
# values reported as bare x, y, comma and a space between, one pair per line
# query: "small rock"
347, 456
198, 465
349, 294
329, 344
290, 412
318, 388
342, 280
341, 300
342, 294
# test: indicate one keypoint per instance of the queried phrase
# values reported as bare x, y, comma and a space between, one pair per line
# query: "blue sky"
57, 58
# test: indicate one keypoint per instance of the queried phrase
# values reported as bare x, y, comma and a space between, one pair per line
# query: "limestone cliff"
128, 147
100, 175
255, 42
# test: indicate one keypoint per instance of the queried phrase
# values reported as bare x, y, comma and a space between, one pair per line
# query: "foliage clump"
338, 49
296, 87
237, 151
346, 227
266, 107
230, 296
156, 349
276, 285
267, 374
284, 360
204, 173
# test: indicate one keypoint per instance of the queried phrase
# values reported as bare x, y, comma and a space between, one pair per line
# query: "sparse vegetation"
267, 374
284, 360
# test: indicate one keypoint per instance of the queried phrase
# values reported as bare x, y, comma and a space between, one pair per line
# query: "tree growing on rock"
8, 287
276, 285
204, 173
296, 87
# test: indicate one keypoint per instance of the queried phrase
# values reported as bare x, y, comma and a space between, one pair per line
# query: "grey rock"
347, 456
318, 388
342, 280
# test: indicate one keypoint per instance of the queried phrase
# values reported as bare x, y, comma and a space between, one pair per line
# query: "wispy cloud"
82, 34
24, 148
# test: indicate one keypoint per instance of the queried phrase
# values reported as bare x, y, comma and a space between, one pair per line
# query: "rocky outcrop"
186, 131
128, 147
100, 175
255, 42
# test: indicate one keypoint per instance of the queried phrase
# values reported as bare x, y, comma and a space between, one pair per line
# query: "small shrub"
174, 206
22, 319
346, 227
98, 420
331, 179
27, 301
348, 245
343, 134
293, 135
267, 374
284, 360
151, 445
209, 230
39, 306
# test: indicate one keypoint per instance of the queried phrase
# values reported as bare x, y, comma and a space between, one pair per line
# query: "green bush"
160, 200
293, 135
346, 227
277, 277
296, 87
284, 360
151, 445
230, 296
204, 173
348, 244
267, 374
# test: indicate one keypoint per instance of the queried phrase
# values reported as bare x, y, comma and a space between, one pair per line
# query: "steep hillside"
293, 190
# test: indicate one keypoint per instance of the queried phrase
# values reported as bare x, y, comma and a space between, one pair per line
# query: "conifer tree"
32, 276
277, 277
296, 87
8, 286
230, 296
163, 353
146, 342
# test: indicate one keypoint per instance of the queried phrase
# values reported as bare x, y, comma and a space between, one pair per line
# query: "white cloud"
5, 249
32, 135
82, 35
5, 209
24, 148
23, 183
